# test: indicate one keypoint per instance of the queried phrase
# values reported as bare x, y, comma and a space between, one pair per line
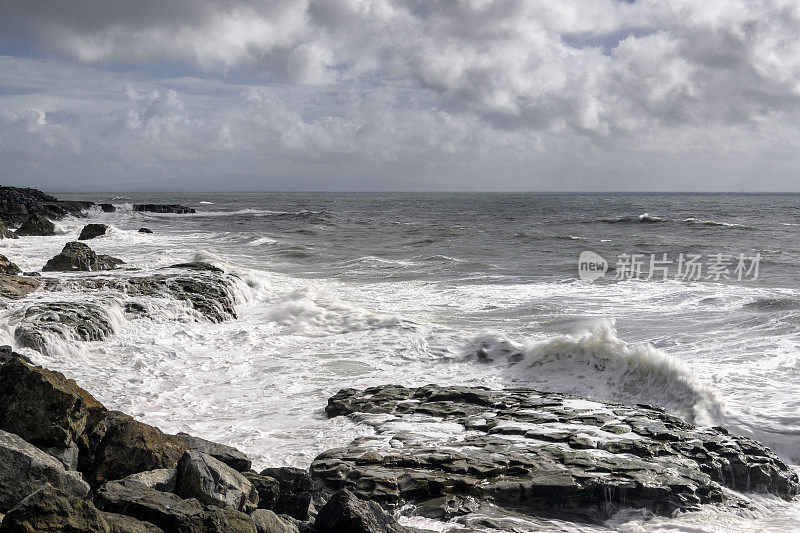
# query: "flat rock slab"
542, 453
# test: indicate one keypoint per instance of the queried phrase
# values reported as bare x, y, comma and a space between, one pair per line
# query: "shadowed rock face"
7, 267
542, 453
17, 203
90, 231
6, 233
36, 225
163, 208
77, 256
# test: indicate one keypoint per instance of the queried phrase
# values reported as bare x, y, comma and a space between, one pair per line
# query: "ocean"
698, 311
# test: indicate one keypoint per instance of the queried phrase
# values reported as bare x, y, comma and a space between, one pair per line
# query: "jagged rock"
168, 511
36, 225
227, 454
145, 230
90, 231
213, 482
6, 233
50, 510
24, 468
7, 267
7, 354
17, 203
66, 455
17, 287
68, 320
163, 479
77, 256
268, 522
344, 513
42, 406
268, 489
543, 453
107, 208
198, 265
163, 208
121, 446
295, 492
119, 523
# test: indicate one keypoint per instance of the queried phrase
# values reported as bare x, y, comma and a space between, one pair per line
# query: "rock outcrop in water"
6, 233
90, 231
542, 453
36, 225
18, 203
163, 208
67, 320
77, 256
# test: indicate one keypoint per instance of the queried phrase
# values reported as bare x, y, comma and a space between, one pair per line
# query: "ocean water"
353, 290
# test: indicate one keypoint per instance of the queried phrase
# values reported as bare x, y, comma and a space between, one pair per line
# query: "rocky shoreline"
444, 453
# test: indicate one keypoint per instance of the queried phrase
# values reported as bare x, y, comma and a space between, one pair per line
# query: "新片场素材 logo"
591, 266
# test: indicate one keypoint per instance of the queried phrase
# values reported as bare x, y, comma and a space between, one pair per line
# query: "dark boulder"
168, 511
16, 203
107, 208
227, 454
7, 267
6, 233
145, 230
16, 287
344, 513
213, 482
119, 523
24, 468
50, 510
77, 256
90, 231
163, 208
163, 479
268, 522
267, 487
68, 320
295, 491
36, 225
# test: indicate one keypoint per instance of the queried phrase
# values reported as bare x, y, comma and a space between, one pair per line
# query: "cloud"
403, 87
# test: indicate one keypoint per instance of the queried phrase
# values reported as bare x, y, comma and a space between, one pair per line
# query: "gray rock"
17, 287
538, 453
145, 230
268, 489
163, 479
77, 256
6, 233
90, 231
107, 208
227, 454
119, 523
213, 482
66, 455
24, 468
163, 208
36, 225
84, 321
268, 522
295, 491
51, 510
168, 511
344, 513
7, 267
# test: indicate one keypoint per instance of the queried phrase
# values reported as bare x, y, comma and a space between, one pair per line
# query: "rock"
295, 491
49, 509
7, 267
123, 446
268, 489
268, 522
36, 225
344, 513
198, 265
66, 455
227, 454
163, 208
163, 479
7, 354
90, 231
119, 523
17, 287
67, 320
77, 256
24, 468
42, 406
213, 482
168, 511
540, 453
145, 230
6, 233
17, 203
107, 208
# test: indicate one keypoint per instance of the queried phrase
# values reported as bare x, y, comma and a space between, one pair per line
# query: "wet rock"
36, 225
7, 354
107, 208
227, 454
90, 231
17, 287
295, 491
24, 468
268, 489
42, 406
6, 233
163, 208
121, 446
213, 482
77, 256
67, 320
543, 453
268, 522
163, 479
50, 510
198, 265
7, 267
145, 230
344, 513
168, 511
18, 203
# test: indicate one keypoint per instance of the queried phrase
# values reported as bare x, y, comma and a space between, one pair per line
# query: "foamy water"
338, 291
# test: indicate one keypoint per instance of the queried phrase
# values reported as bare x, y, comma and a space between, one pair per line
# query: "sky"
400, 95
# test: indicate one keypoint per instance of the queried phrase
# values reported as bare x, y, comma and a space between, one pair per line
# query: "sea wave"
700, 222
644, 218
